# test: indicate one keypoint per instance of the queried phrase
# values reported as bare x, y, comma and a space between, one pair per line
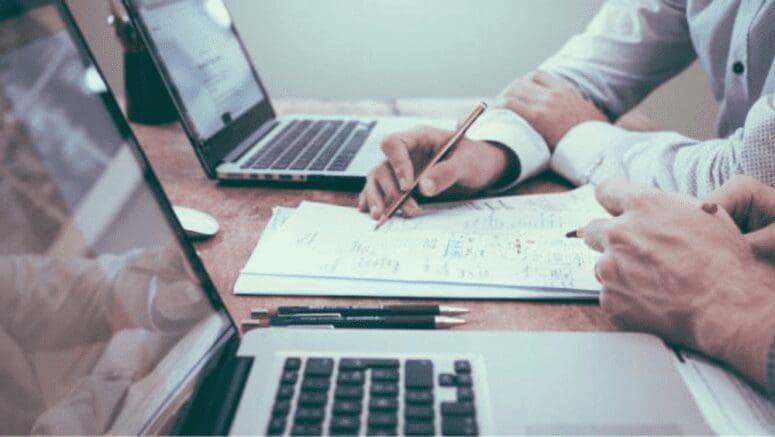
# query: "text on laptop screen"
196, 42
101, 315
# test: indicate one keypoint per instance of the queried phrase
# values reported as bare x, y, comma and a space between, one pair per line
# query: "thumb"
442, 176
763, 241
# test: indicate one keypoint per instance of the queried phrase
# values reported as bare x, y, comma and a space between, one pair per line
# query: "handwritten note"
509, 241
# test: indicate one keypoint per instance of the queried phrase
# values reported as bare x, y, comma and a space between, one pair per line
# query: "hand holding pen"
470, 167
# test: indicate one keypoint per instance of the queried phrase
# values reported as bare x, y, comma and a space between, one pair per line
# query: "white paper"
509, 247
729, 405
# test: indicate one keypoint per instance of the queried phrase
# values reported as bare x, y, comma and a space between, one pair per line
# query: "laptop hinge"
251, 141
216, 397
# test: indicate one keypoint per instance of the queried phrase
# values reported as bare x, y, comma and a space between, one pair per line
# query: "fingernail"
710, 208
403, 183
374, 209
427, 186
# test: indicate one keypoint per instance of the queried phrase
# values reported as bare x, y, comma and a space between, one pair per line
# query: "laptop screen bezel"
13, 8
210, 151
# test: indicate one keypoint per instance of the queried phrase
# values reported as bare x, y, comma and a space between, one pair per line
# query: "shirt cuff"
581, 151
512, 131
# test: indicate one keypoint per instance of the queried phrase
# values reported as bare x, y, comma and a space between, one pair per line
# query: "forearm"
743, 339
626, 51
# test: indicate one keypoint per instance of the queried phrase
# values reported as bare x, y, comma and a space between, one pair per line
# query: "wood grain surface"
244, 211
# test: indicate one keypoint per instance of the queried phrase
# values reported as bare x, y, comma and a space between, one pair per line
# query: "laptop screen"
211, 79
104, 313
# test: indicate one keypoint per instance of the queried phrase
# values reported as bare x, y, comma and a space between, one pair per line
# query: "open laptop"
109, 322
228, 115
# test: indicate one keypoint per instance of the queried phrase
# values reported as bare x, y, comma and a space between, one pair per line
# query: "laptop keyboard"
357, 396
312, 145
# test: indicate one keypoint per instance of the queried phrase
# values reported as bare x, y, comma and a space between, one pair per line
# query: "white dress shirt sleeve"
510, 130
627, 50
595, 151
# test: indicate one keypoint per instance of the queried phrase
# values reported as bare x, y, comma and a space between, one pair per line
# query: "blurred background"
377, 49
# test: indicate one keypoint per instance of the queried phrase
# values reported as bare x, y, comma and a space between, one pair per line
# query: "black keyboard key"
285, 392
312, 398
345, 424
418, 374
316, 145
347, 407
293, 152
355, 377
289, 377
328, 153
459, 426
462, 366
292, 364
307, 429
383, 404
349, 392
309, 415
464, 380
315, 384
381, 431
378, 363
457, 409
420, 397
447, 379
415, 427
384, 389
352, 364
276, 425
383, 420
281, 408
418, 412
465, 394
349, 150
319, 367
384, 375
270, 152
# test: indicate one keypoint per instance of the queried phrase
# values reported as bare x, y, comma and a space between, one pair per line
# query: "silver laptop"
110, 324
228, 115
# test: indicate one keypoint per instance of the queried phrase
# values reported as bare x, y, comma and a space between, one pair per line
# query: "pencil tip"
448, 322
450, 310
572, 234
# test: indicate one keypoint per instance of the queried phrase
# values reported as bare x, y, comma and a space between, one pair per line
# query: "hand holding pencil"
470, 167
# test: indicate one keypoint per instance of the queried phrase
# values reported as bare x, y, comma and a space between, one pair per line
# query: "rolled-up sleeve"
594, 151
626, 51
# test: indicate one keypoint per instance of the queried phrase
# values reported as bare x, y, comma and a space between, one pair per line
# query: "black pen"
373, 310
368, 322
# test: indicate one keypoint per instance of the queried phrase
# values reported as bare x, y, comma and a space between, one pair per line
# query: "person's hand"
752, 205
551, 105
470, 167
670, 268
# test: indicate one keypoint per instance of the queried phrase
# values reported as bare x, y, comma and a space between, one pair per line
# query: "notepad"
505, 247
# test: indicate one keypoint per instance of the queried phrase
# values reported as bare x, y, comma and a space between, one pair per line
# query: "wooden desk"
244, 211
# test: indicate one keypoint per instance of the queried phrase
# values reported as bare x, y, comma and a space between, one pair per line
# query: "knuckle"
617, 235
607, 268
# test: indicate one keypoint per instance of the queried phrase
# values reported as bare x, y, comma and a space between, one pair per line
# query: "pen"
436, 158
369, 322
373, 310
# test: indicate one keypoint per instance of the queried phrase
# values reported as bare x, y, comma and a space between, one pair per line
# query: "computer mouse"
197, 224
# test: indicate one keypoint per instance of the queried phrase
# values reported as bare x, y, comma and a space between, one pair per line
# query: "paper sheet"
501, 245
